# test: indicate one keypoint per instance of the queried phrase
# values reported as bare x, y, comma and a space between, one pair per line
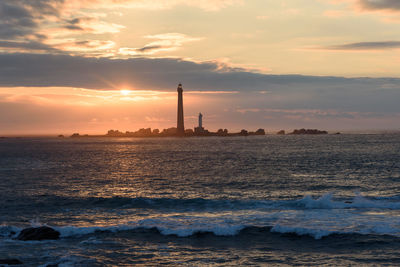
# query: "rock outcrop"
308, 131
38, 233
11, 261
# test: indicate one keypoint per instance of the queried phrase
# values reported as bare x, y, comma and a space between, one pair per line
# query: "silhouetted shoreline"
172, 132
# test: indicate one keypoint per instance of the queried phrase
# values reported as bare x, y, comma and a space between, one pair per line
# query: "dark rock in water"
308, 131
52, 265
10, 261
38, 233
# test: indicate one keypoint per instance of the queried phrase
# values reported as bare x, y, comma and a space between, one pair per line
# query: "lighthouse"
180, 125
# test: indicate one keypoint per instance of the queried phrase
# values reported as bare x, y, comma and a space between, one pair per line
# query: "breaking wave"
326, 201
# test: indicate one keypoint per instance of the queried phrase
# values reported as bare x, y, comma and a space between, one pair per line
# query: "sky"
88, 66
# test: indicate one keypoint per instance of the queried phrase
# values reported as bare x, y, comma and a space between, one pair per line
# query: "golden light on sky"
125, 92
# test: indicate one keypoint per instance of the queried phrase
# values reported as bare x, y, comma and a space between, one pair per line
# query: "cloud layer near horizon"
154, 74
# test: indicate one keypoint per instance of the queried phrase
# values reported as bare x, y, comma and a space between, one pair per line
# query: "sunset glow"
199, 132
125, 92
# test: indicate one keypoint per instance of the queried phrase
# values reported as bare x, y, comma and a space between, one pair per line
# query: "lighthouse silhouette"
180, 125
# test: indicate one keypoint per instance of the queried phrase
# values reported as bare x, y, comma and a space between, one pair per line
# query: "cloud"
207, 5
365, 46
91, 25
48, 21
393, 5
164, 42
304, 113
84, 46
387, 9
163, 74
25, 46
20, 18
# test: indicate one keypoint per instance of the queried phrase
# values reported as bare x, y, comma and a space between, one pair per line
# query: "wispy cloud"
86, 46
207, 5
393, 5
91, 25
29, 22
163, 43
363, 46
25, 46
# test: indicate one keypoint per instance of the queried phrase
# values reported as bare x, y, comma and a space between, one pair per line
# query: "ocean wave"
360, 202
326, 201
314, 223
227, 230
215, 230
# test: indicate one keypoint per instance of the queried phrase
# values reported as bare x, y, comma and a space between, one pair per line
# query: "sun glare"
125, 92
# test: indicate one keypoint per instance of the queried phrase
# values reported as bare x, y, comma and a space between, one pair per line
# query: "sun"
125, 92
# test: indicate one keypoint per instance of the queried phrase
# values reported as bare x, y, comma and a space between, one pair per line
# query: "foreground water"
295, 200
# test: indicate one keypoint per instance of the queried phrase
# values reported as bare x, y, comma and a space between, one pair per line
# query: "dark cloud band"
154, 74
366, 46
380, 4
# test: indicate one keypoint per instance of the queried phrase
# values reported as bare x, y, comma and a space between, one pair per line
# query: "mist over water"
306, 200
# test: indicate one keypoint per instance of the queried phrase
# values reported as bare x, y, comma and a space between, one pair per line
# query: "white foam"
317, 217
68, 231
326, 202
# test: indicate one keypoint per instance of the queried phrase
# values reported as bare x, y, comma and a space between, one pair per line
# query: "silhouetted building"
180, 126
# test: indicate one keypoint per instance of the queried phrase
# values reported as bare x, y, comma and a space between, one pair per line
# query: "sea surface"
249, 201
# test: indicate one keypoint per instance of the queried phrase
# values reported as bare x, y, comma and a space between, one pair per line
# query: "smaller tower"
200, 130
200, 120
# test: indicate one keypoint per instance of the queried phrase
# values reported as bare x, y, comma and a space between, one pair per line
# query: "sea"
271, 200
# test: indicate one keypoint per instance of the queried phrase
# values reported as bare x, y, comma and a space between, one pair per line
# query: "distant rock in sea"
38, 233
308, 131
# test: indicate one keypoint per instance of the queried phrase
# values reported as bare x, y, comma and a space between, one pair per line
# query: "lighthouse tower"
180, 126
